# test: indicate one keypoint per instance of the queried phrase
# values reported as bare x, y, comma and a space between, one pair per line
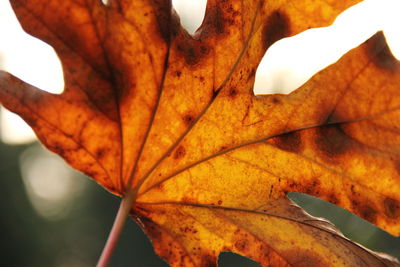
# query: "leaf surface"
149, 108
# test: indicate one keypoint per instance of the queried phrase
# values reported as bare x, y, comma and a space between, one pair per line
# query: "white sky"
283, 68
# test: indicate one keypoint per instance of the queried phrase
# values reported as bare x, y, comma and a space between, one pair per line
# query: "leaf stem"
116, 230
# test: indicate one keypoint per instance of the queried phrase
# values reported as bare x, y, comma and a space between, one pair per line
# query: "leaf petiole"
116, 230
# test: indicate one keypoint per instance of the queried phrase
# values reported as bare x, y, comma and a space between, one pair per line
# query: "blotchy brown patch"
192, 50
188, 230
392, 208
241, 241
188, 119
332, 198
379, 53
218, 20
100, 153
233, 92
289, 142
303, 258
312, 188
208, 261
331, 140
180, 152
276, 99
219, 17
241, 244
277, 26
368, 213
364, 209
167, 22
213, 21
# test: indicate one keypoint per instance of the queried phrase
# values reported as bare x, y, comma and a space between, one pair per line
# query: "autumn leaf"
170, 119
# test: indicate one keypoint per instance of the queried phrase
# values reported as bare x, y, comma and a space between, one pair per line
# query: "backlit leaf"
149, 108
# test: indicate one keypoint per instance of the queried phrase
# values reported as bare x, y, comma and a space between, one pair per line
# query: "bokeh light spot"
50, 184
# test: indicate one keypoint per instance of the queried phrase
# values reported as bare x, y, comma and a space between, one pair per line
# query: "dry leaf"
172, 117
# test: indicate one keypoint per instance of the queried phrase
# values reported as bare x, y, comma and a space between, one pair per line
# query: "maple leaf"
170, 120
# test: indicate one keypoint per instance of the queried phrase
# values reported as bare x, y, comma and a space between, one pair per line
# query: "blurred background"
52, 215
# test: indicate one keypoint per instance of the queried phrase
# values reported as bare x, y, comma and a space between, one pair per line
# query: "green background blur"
76, 235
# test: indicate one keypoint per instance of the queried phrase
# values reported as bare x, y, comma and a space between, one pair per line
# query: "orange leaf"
149, 108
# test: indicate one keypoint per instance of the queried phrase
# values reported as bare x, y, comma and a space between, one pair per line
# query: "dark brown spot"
312, 188
352, 189
333, 199
275, 100
379, 52
178, 73
201, 78
392, 208
241, 244
289, 142
233, 92
188, 119
277, 26
100, 153
219, 202
191, 49
219, 21
219, 18
203, 49
223, 148
364, 210
332, 140
180, 152
368, 213
188, 230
